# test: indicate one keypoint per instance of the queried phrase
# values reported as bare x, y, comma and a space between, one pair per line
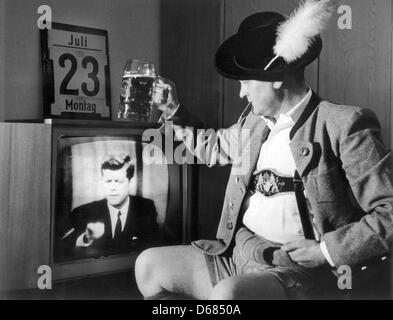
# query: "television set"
159, 208
56, 172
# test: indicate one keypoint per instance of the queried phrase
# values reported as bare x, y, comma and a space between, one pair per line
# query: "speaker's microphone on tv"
68, 233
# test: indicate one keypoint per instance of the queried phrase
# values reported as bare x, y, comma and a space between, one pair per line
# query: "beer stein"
136, 94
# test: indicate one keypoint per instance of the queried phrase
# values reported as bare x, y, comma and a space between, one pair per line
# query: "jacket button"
305, 152
230, 226
237, 180
231, 205
364, 268
384, 258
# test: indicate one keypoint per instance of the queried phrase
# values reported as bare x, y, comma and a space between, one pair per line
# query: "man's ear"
277, 85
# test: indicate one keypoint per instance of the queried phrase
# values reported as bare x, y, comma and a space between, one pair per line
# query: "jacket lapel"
308, 111
303, 153
303, 150
107, 220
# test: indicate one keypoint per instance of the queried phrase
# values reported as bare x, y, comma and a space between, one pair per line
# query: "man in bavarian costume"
318, 193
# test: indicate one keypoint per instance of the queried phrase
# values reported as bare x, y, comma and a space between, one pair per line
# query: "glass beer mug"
136, 94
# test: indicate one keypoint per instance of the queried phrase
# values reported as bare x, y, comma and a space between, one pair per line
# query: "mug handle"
158, 116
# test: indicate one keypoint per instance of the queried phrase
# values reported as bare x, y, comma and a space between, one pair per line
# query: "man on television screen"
120, 222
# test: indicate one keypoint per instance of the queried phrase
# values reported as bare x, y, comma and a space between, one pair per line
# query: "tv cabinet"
26, 202
25, 176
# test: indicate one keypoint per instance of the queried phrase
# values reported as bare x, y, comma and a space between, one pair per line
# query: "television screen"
109, 201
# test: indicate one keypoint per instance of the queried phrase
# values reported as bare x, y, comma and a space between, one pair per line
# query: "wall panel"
356, 66
190, 35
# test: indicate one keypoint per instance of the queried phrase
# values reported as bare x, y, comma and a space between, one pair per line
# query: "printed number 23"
64, 90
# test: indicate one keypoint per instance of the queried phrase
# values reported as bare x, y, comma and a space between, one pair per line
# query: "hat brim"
226, 64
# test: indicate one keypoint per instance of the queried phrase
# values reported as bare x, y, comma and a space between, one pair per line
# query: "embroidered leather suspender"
303, 209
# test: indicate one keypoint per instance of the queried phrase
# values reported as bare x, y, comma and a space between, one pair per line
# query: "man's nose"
112, 186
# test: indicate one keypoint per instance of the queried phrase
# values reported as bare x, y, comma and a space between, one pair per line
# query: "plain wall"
134, 32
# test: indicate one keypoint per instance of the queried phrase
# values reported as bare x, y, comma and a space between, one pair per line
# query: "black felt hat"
248, 54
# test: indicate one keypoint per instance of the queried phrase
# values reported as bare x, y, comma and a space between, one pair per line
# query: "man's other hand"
306, 253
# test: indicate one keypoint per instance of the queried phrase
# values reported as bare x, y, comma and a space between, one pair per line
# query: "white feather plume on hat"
297, 33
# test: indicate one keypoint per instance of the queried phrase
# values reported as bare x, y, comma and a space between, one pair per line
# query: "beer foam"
138, 75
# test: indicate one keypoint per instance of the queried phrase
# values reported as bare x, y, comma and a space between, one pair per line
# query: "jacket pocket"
331, 186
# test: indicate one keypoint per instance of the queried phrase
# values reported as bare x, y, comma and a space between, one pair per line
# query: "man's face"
116, 186
264, 98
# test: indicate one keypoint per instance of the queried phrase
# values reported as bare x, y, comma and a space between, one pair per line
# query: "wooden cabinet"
25, 181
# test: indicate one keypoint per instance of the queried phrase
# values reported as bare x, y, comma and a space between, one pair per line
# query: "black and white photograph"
208, 151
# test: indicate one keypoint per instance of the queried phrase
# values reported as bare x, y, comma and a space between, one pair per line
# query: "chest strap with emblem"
269, 183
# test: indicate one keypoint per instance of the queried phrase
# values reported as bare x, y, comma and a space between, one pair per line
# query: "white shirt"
277, 218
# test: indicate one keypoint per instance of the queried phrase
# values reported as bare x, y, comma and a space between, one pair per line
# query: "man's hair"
117, 162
